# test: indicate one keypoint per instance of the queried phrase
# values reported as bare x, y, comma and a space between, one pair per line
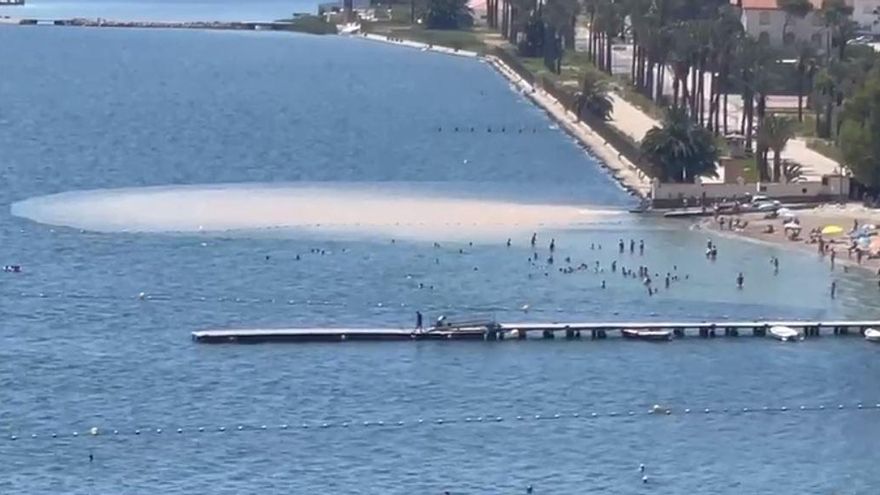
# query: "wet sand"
321, 208
809, 219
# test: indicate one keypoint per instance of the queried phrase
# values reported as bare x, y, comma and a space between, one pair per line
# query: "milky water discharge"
338, 209
347, 130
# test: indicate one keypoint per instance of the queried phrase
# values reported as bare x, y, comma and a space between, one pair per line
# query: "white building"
867, 14
762, 19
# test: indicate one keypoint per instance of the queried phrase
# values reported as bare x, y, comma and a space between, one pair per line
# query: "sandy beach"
819, 217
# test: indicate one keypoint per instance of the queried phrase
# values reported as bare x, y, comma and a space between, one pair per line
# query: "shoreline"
624, 172
809, 219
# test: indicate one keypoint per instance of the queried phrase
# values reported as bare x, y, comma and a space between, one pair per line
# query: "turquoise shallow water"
93, 109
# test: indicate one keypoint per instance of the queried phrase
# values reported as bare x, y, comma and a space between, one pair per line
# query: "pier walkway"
525, 330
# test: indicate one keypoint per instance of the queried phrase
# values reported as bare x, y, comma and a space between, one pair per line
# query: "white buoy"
142, 295
641, 468
644, 479
94, 431
525, 308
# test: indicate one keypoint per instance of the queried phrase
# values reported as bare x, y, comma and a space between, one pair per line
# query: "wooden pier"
501, 331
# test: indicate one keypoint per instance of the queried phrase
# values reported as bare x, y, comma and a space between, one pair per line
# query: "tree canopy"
860, 132
447, 14
680, 150
592, 100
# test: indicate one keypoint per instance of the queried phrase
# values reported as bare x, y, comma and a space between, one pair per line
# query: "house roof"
769, 4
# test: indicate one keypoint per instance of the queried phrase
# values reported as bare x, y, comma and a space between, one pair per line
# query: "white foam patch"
320, 208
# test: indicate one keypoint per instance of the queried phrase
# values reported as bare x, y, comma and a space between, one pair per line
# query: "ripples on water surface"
95, 109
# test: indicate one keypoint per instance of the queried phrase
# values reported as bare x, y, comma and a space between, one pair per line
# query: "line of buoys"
488, 129
655, 410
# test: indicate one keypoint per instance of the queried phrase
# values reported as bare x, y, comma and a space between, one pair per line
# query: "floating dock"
501, 331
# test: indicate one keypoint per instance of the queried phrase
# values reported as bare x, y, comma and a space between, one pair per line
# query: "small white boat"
872, 335
785, 334
630, 333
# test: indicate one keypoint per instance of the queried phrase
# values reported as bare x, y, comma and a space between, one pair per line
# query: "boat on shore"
785, 334
653, 335
872, 335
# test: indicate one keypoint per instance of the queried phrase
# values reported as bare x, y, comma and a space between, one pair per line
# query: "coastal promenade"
814, 164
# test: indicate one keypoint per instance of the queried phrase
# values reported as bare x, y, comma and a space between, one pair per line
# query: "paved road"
635, 123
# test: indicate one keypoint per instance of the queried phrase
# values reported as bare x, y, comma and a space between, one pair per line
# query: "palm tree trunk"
800, 91
635, 57
505, 19
750, 119
713, 102
777, 165
661, 75
701, 92
694, 92
608, 37
725, 112
675, 87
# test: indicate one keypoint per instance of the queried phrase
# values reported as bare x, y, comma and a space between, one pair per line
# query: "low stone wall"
673, 195
616, 139
514, 64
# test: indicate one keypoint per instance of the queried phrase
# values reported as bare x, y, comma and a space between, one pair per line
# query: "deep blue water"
91, 109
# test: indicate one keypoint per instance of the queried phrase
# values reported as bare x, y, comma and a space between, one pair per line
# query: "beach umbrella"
792, 226
832, 230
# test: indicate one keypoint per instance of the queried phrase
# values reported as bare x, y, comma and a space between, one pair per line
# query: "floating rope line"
656, 410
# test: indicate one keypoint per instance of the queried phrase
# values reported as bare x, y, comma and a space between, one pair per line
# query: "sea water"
96, 328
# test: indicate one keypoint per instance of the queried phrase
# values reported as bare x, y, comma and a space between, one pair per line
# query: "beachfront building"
763, 19
866, 13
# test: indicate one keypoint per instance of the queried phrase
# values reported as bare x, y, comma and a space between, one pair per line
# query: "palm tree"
592, 100
836, 15
774, 133
681, 151
793, 9
806, 68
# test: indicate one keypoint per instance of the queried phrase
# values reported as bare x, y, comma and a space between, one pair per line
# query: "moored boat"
785, 334
661, 335
872, 335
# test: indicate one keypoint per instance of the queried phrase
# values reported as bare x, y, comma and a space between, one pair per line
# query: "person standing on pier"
739, 280
833, 288
418, 320
620, 246
833, 256
641, 247
632, 246
534, 238
552, 245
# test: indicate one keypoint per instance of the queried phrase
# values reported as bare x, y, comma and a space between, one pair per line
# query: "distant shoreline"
626, 174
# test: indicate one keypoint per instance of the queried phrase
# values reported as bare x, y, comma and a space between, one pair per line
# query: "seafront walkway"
814, 164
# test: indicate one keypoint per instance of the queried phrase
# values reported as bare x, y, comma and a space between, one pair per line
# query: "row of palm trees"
700, 48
